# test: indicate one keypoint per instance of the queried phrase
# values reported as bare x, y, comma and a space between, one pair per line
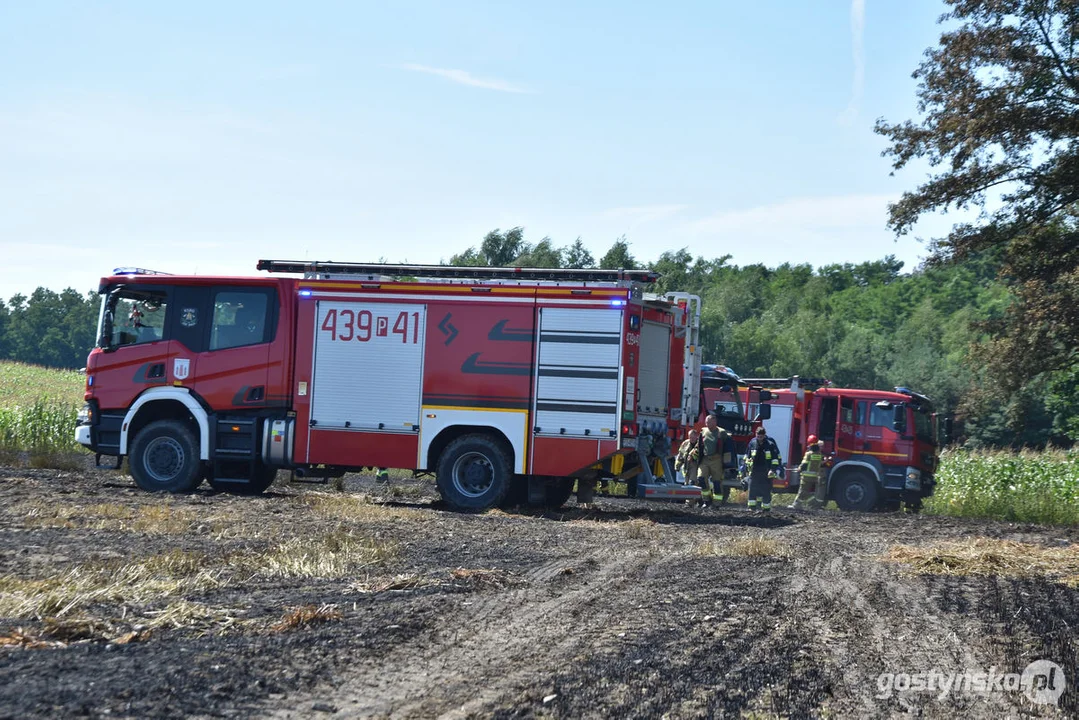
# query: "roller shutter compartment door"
368, 365
653, 377
577, 372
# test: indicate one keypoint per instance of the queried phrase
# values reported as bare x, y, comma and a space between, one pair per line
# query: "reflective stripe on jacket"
811, 464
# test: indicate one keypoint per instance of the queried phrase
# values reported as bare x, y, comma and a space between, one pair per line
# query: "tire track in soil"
500, 644
869, 620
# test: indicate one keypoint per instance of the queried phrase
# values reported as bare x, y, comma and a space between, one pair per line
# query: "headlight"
86, 415
914, 479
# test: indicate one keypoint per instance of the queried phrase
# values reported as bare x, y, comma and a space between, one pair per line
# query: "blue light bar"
305, 293
618, 303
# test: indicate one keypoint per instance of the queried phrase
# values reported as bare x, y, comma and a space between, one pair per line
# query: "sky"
200, 137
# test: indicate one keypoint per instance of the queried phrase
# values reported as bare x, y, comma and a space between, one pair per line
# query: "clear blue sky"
202, 136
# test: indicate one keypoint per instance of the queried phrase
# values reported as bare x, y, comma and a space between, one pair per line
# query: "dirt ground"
371, 600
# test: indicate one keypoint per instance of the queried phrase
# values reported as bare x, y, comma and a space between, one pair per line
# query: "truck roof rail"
792, 382
460, 271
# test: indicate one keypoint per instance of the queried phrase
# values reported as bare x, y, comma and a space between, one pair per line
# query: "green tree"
543, 255
1000, 103
618, 257
577, 256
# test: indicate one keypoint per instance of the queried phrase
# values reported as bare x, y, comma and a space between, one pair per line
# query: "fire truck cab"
506, 384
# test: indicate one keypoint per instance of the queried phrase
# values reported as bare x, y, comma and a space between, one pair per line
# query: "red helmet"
812, 439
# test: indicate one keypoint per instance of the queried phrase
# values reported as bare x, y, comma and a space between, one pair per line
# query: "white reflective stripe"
170, 393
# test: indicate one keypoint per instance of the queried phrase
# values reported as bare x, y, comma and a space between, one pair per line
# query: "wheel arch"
168, 403
841, 470
448, 435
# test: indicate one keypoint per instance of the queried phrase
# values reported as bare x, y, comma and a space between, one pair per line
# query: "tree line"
865, 325
48, 328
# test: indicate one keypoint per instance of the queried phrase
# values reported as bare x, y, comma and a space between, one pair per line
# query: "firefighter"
762, 463
812, 489
686, 460
712, 444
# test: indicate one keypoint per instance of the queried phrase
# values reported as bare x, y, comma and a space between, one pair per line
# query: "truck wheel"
856, 491
165, 458
473, 473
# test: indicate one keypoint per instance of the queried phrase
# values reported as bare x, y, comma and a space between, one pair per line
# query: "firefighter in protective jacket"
763, 463
813, 489
685, 461
713, 458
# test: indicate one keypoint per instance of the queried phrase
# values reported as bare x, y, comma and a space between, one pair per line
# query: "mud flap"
537, 490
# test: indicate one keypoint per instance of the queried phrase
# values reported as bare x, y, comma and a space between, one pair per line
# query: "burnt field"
371, 600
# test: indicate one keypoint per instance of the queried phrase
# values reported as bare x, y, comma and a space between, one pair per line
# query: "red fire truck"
505, 383
883, 446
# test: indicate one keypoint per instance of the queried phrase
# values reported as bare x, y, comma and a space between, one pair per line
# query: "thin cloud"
857, 39
644, 213
463, 77
819, 215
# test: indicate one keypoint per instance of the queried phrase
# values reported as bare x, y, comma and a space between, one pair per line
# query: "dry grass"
641, 529
408, 493
170, 574
356, 508
406, 581
183, 613
164, 519
759, 545
989, 557
477, 578
337, 554
306, 616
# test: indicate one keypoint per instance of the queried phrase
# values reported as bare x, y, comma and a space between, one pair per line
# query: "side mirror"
947, 430
899, 419
764, 412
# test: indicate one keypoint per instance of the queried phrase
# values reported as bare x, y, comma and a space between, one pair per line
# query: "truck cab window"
881, 416
240, 319
133, 316
846, 411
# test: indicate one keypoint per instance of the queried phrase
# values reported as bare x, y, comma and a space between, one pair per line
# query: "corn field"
1036, 487
37, 410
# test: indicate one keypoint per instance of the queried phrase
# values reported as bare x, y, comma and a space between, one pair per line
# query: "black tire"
474, 473
857, 491
264, 476
165, 458
558, 491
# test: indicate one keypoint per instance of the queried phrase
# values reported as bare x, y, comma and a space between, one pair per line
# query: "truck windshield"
130, 316
923, 425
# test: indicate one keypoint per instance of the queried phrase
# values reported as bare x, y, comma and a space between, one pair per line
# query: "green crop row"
1036, 487
38, 407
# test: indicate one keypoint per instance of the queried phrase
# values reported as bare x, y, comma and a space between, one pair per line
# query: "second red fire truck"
883, 447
